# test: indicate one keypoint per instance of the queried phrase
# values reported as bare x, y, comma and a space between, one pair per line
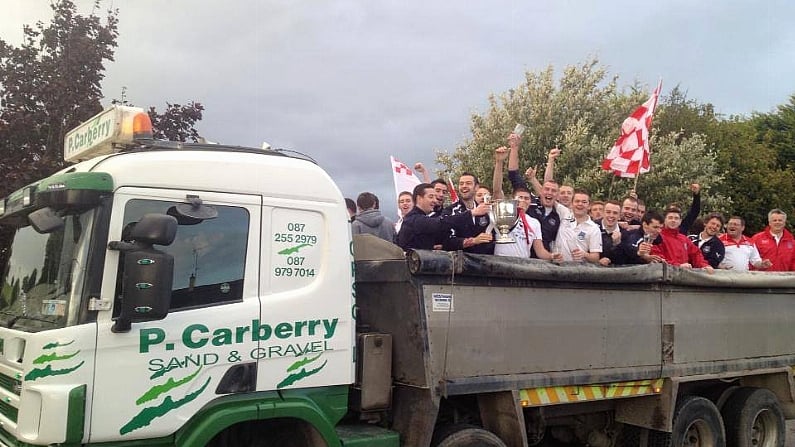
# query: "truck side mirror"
45, 220
148, 272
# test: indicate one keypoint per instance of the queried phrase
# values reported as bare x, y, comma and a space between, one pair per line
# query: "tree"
582, 114
777, 131
685, 117
50, 84
756, 183
177, 122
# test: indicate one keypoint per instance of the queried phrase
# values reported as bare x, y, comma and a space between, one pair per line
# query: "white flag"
405, 180
404, 177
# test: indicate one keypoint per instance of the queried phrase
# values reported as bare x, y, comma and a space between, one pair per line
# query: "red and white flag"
451, 189
630, 153
404, 177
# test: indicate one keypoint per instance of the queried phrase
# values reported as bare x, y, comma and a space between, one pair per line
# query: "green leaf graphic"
148, 414
157, 390
291, 250
303, 362
47, 371
55, 344
162, 372
44, 358
303, 374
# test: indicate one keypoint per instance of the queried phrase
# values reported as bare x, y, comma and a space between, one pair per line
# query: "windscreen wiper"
11, 314
16, 318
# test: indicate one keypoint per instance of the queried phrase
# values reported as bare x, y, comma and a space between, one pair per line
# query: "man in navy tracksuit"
708, 242
420, 231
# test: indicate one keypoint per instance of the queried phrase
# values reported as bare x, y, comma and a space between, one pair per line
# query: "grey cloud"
351, 82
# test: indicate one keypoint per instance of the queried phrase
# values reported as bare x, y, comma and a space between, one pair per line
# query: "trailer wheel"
697, 423
458, 435
753, 418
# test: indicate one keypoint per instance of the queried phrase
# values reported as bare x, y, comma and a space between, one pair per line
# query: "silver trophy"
505, 215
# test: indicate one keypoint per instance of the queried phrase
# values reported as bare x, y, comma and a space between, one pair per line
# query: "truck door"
306, 323
151, 380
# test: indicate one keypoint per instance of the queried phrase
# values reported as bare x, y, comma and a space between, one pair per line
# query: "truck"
161, 293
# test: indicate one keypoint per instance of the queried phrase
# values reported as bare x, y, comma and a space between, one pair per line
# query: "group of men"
561, 224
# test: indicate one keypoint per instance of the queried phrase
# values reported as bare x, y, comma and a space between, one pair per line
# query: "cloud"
351, 82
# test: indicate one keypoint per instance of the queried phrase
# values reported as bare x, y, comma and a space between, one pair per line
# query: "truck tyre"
458, 435
753, 418
697, 423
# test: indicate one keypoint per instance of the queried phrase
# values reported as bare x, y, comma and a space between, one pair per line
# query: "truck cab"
256, 301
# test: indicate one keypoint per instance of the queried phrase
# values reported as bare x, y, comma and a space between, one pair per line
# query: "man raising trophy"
505, 215
524, 230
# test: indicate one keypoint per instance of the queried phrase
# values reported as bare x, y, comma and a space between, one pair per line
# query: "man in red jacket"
676, 248
776, 243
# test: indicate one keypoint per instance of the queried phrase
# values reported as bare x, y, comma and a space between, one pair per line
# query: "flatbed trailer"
529, 349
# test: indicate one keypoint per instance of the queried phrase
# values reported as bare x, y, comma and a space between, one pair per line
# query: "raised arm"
419, 167
549, 172
496, 182
530, 174
695, 209
513, 163
513, 157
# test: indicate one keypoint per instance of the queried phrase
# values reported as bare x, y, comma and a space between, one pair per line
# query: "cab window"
209, 255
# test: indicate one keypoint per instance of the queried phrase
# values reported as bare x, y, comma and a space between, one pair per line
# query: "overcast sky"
351, 82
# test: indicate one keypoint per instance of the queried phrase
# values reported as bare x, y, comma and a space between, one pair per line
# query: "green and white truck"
172, 294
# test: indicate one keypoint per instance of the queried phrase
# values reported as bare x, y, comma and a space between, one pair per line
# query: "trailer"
532, 351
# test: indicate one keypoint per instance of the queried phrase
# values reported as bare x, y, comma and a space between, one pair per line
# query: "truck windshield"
42, 278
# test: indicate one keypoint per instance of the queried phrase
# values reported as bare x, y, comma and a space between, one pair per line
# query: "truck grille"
7, 439
9, 411
11, 384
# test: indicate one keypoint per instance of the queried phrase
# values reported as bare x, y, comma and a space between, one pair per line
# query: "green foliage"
754, 178
676, 163
583, 113
685, 117
777, 131
583, 106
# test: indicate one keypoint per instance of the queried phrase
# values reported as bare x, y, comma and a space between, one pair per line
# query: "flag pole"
610, 189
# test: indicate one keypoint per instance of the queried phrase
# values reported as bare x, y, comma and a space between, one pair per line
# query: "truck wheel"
697, 423
753, 418
465, 436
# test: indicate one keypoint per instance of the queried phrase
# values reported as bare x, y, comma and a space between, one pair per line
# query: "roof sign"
102, 133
